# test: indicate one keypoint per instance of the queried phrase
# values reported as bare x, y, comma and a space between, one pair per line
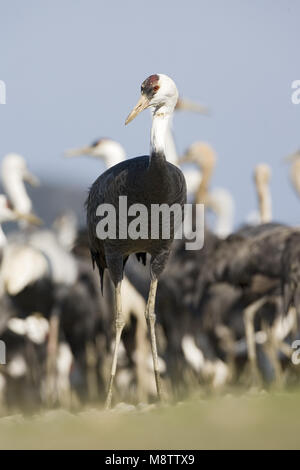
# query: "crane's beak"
293, 156
187, 105
31, 179
184, 158
142, 104
31, 218
77, 152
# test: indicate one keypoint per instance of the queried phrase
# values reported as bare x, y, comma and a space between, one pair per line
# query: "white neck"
265, 204
159, 131
171, 152
16, 191
193, 179
66, 234
113, 153
225, 216
3, 239
295, 175
222, 203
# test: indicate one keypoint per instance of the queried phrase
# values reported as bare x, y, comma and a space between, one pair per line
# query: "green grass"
261, 421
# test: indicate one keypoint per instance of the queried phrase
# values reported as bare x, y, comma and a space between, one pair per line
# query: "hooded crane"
143, 180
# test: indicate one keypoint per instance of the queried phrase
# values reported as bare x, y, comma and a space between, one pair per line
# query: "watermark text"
159, 222
296, 93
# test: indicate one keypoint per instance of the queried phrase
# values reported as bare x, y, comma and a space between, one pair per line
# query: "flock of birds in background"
226, 314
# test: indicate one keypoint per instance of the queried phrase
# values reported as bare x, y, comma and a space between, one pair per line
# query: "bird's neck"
265, 203
16, 191
170, 150
159, 134
3, 239
202, 192
113, 153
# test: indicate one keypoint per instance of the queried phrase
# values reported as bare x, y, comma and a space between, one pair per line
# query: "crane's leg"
51, 366
249, 314
271, 349
119, 322
151, 318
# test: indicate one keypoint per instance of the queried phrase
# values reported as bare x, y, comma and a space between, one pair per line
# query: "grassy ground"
260, 421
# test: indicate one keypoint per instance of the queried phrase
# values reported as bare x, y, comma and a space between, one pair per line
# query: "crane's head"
292, 157
108, 150
200, 153
158, 92
14, 164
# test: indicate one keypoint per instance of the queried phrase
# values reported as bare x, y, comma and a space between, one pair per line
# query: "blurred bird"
14, 172
294, 159
262, 176
219, 200
9, 214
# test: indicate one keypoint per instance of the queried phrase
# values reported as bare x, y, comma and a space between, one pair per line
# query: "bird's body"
146, 181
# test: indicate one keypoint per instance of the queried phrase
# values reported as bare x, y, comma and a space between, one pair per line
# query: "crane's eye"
155, 88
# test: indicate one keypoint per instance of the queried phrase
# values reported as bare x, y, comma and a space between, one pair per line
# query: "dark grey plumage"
145, 181
238, 258
291, 272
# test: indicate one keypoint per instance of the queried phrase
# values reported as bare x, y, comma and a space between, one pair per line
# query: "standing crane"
144, 180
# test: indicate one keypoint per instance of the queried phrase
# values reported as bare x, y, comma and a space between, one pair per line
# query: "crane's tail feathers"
95, 260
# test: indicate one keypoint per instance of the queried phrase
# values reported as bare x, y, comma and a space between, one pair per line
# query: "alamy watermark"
296, 353
2, 353
296, 93
164, 222
2, 92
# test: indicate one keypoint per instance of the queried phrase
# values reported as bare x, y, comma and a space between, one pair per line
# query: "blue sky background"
73, 69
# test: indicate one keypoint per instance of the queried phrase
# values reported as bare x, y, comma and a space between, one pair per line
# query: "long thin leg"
119, 321
91, 362
271, 348
52, 348
249, 314
151, 318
